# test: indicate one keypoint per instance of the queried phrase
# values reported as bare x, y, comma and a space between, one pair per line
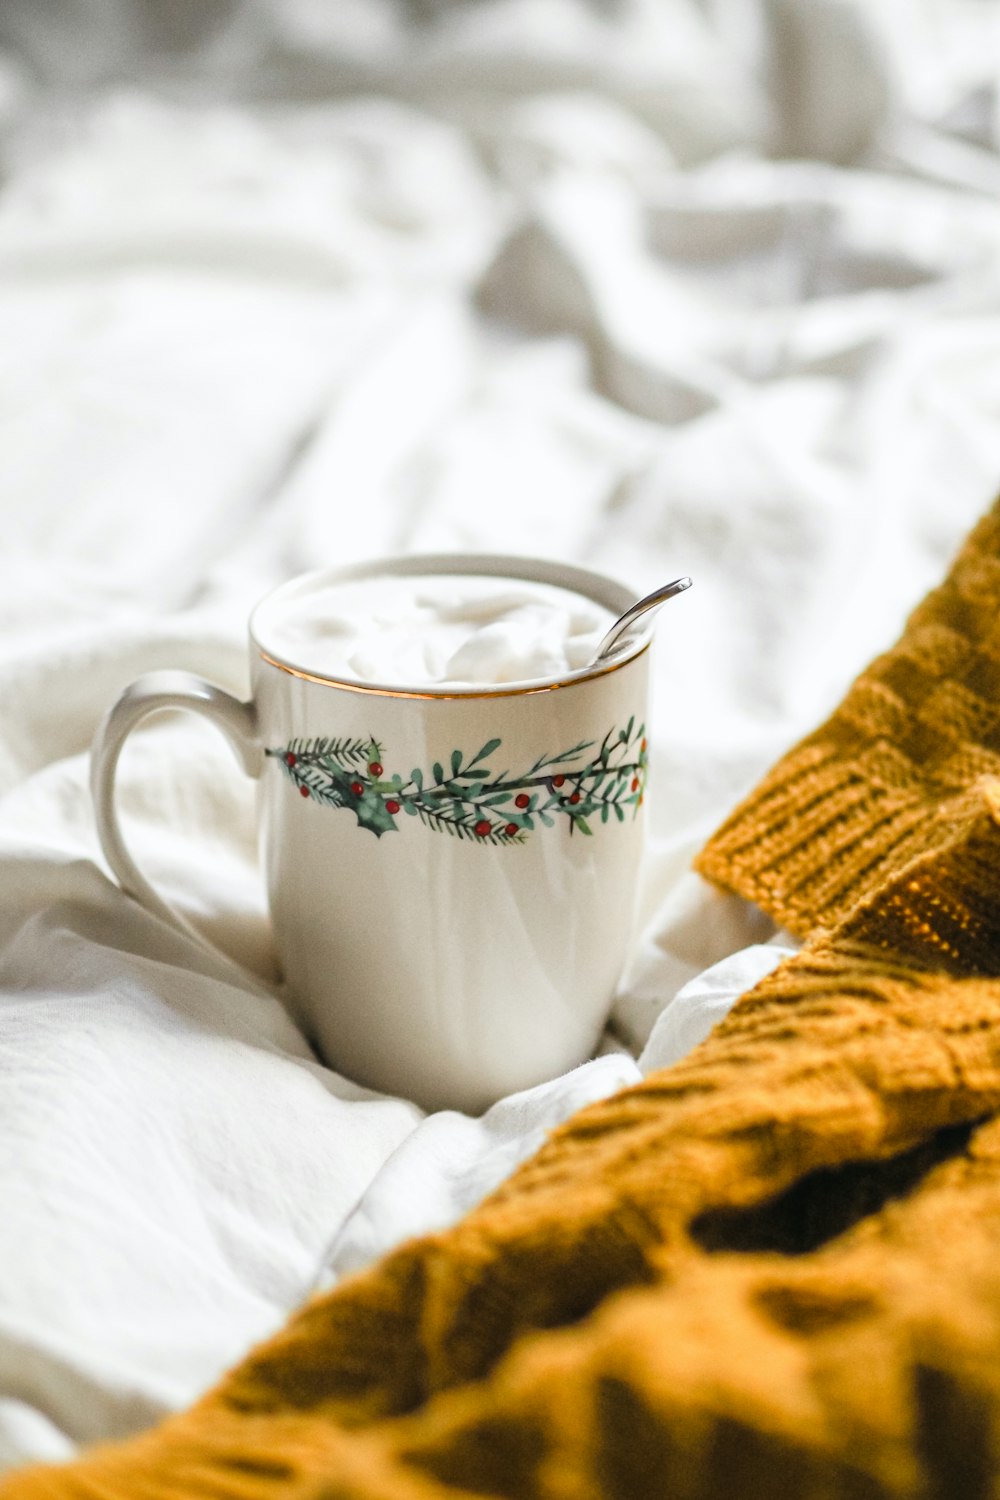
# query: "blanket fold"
891, 773
769, 1270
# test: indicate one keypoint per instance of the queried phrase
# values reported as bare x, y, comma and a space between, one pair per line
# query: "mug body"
452, 873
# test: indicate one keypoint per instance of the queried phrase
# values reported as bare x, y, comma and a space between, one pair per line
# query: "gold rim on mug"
594, 586
497, 692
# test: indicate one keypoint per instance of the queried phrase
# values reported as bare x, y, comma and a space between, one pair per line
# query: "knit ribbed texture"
770, 1271
889, 775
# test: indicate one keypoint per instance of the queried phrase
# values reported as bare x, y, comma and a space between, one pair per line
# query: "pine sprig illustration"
469, 801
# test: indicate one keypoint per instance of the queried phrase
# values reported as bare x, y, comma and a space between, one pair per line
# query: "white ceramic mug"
451, 872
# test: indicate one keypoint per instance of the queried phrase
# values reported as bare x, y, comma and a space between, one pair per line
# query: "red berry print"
349, 772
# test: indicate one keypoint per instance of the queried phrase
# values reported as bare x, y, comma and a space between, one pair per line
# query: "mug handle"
154, 693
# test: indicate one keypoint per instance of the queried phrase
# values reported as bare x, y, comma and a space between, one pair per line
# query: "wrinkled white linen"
290, 285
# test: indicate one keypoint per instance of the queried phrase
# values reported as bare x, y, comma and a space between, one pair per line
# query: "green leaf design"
473, 803
372, 813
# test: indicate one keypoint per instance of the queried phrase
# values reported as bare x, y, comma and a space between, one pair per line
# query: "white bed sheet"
659, 287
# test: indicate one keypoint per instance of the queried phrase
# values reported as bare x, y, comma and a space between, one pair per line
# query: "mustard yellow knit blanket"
770, 1272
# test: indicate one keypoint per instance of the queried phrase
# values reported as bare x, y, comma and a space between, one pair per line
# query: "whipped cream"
438, 630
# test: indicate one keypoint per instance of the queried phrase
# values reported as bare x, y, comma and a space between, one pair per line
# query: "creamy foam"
459, 630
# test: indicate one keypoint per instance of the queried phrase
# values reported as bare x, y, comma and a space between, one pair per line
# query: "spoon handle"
650, 601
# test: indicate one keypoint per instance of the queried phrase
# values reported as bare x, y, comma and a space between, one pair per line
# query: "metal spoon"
651, 601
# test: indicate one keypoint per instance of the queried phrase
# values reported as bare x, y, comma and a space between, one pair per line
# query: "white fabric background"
657, 285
